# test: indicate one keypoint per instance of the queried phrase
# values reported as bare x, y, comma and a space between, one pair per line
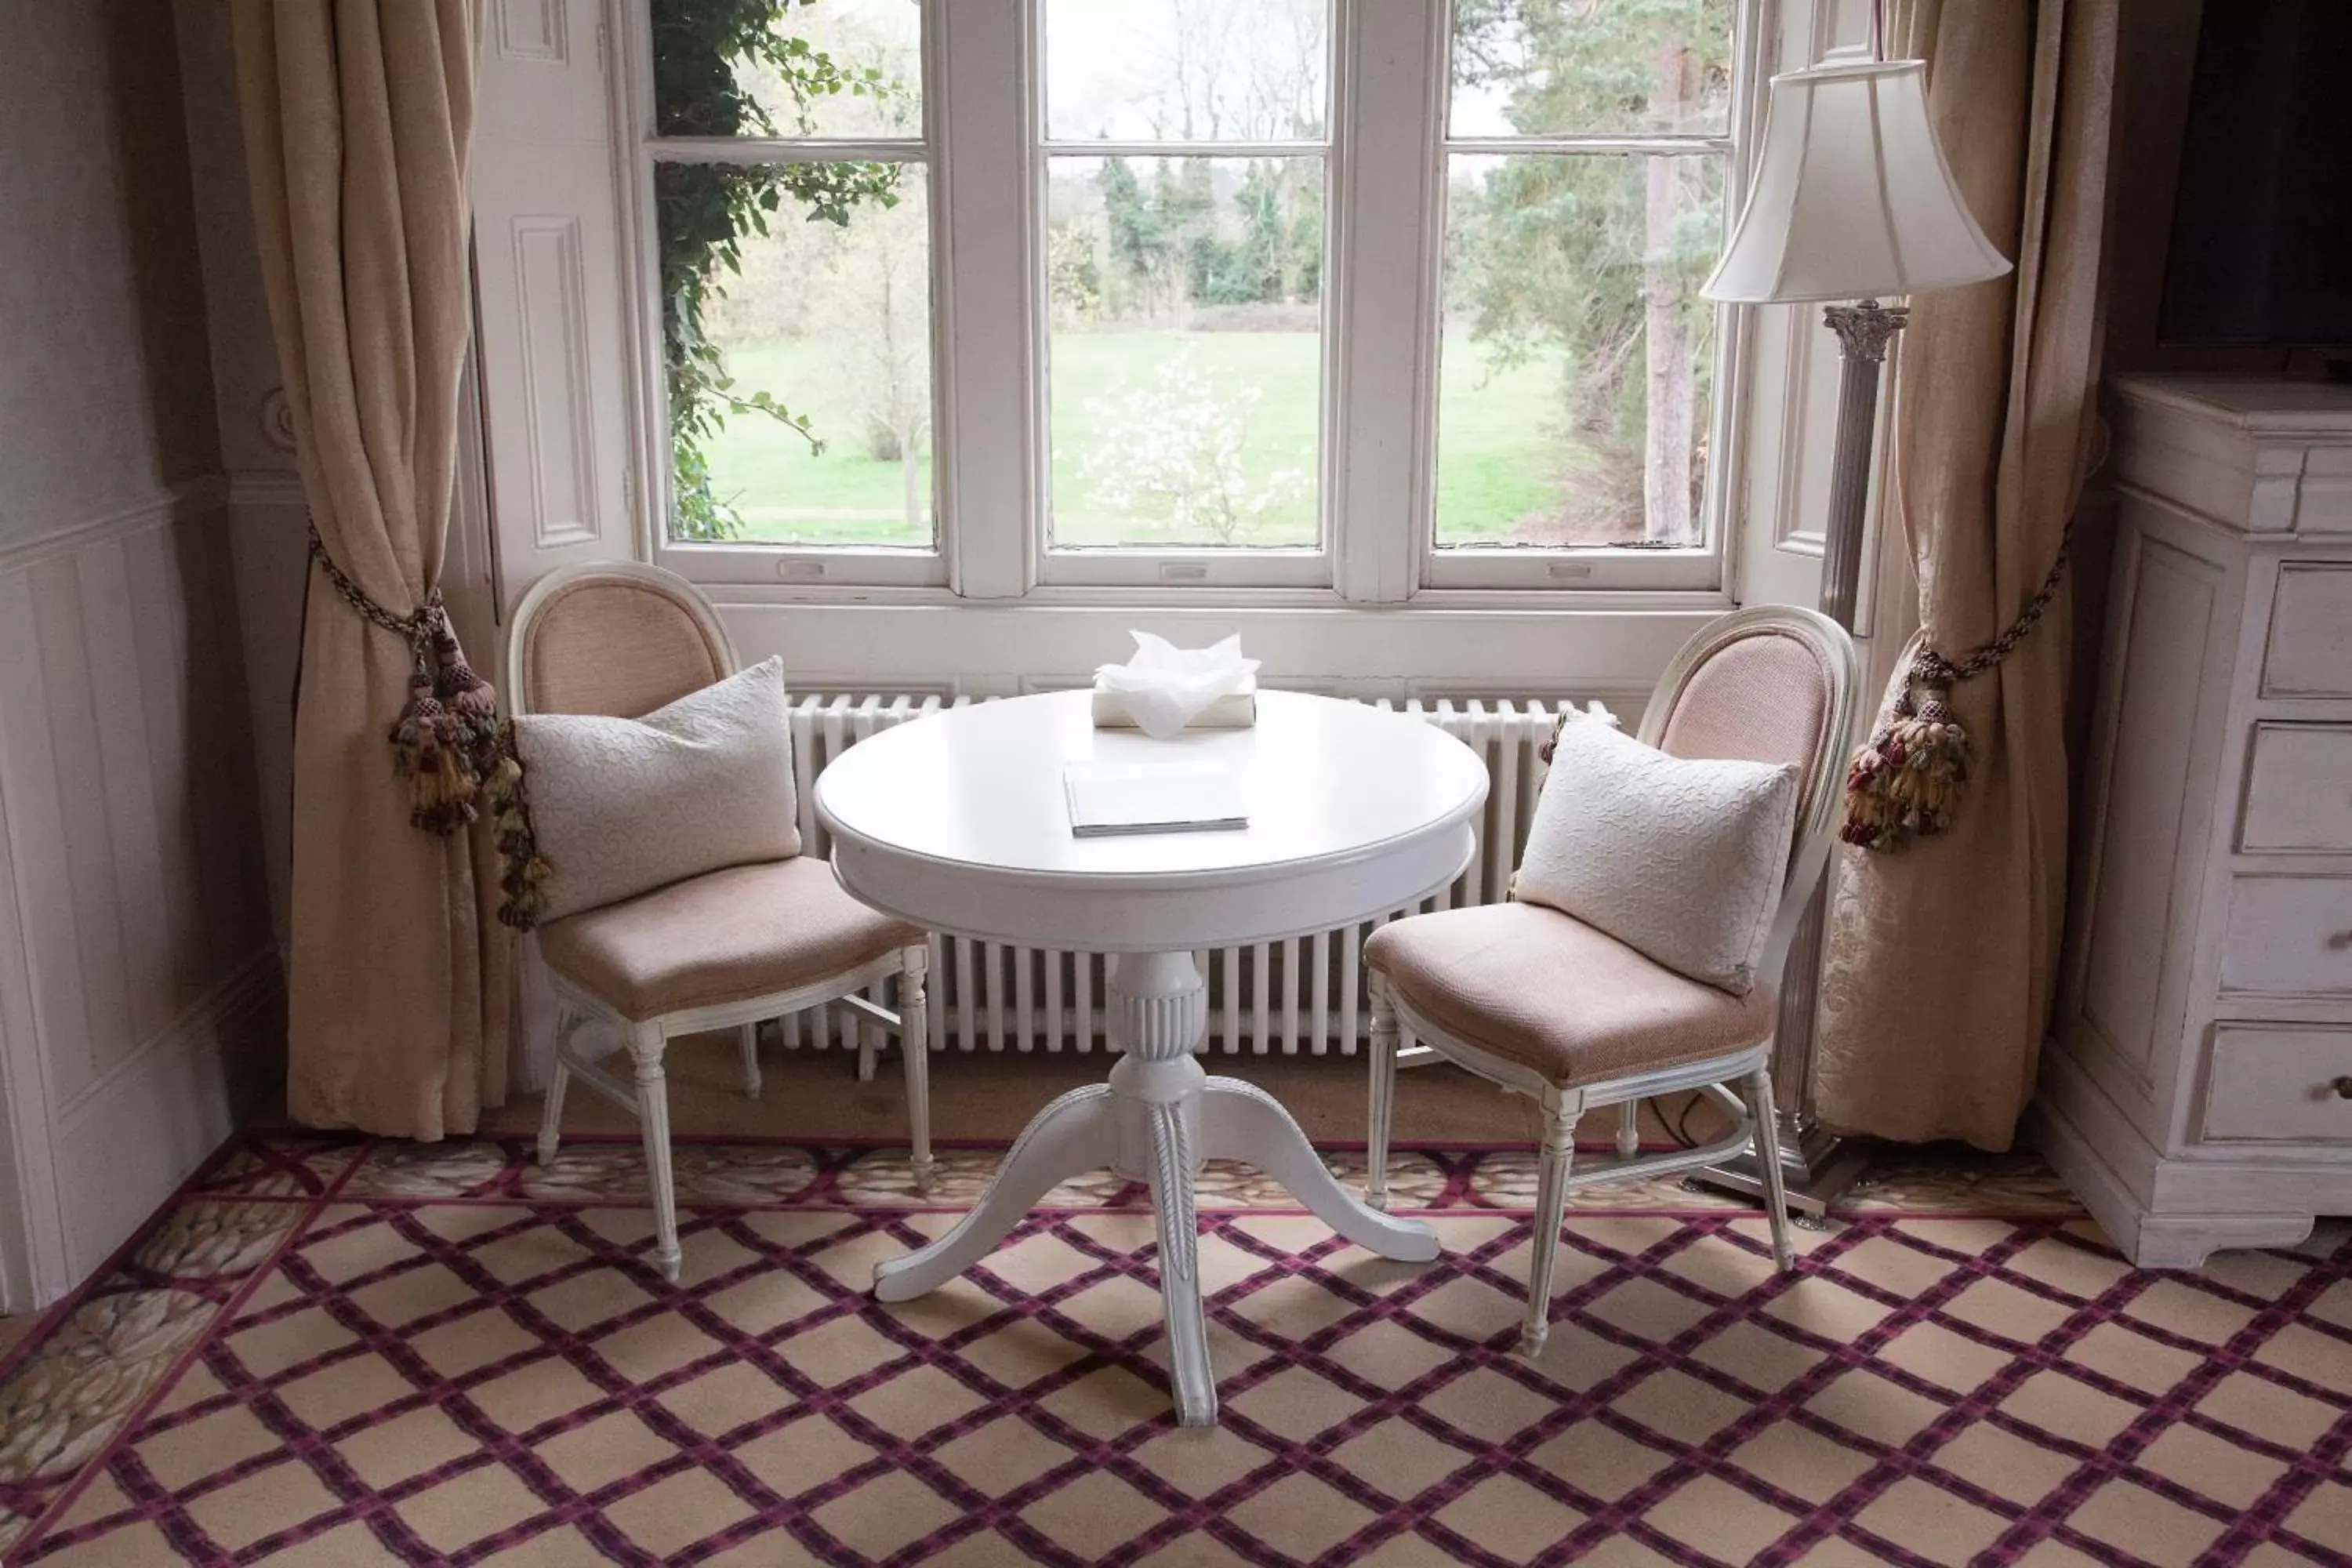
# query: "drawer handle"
2343, 1087
2341, 942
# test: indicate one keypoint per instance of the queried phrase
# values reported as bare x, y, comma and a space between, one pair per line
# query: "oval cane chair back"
617, 639
1774, 683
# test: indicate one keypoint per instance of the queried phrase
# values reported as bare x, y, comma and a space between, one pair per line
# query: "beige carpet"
339, 1353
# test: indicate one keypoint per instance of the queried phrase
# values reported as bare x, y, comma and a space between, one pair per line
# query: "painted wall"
138, 979
266, 513
105, 388
2155, 72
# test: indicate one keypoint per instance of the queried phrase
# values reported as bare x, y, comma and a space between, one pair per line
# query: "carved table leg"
1158, 1006
1155, 1122
1074, 1134
1242, 1121
1066, 1138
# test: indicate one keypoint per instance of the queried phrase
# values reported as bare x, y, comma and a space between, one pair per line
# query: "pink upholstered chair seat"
721, 938
1543, 989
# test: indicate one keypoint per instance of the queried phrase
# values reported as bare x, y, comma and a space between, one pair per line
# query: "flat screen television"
2262, 224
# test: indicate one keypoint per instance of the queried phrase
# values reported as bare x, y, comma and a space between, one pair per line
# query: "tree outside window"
1577, 356
796, 294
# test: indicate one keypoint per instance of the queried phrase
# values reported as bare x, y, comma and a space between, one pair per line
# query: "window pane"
1140, 70
1186, 354
1576, 375
801, 412
1556, 68
822, 68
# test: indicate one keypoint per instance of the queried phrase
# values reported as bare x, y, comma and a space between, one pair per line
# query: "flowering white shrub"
1179, 461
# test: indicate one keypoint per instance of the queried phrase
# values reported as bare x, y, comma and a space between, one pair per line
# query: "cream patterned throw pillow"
1681, 860
621, 806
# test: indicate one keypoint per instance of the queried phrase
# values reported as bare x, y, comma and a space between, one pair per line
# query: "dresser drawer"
2280, 1082
2299, 790
2288, 936
2309, 652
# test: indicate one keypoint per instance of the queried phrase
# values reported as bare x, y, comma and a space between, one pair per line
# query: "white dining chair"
1546, 1006
724, 950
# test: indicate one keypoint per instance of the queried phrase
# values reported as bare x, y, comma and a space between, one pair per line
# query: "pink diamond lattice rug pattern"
350, 1352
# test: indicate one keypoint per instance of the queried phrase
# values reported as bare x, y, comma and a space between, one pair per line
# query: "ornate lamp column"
1816, 1167
1823, 224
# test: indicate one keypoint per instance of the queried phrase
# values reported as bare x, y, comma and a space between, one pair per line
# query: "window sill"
1192, 598
1460, 643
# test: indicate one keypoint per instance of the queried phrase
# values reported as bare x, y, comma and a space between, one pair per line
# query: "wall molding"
267, 486
184, 503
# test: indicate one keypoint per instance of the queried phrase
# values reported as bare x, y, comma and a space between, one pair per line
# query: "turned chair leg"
1758, 1088
1383, 1054
1551, 1210
645, 1045
1629, 1129
749, 1035
914, 1050
551, 1118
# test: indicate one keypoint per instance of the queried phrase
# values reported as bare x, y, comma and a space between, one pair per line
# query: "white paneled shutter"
550, 309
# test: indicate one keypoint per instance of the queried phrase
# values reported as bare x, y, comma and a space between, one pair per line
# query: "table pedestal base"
1157, 1119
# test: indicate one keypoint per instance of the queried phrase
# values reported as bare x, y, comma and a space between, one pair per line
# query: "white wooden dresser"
2198, 1092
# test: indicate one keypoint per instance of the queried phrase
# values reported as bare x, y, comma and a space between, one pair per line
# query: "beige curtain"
1939, 972
357, 114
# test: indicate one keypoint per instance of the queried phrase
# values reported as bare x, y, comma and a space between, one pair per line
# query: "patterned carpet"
343, 1353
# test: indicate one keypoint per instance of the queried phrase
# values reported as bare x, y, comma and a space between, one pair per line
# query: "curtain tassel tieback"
523, 871
450, 742
1908, 779
446, 742
1907, 782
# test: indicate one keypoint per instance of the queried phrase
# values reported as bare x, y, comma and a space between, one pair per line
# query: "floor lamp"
1852, 201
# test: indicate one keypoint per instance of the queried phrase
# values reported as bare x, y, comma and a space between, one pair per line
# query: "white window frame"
1702, 565
1180, 567
985, 154
745, 562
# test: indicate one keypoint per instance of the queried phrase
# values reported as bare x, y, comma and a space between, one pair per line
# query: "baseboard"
120, 1145
2174, 1211
2085, 1170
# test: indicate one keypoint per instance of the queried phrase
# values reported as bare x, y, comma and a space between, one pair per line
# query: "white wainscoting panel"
133, 902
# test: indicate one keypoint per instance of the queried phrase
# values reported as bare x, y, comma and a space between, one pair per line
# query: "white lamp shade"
1851, 198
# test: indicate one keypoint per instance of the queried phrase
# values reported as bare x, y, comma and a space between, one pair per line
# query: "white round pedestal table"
958, 823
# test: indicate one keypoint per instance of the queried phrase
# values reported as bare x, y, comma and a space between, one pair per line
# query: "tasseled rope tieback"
1907, 782
450, 742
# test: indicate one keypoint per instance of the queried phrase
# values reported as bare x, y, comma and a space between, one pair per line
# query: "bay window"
1037, 299
1586, 149
1184, 177
792, 277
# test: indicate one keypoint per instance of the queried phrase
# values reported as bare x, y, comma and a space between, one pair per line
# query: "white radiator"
1307, 994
